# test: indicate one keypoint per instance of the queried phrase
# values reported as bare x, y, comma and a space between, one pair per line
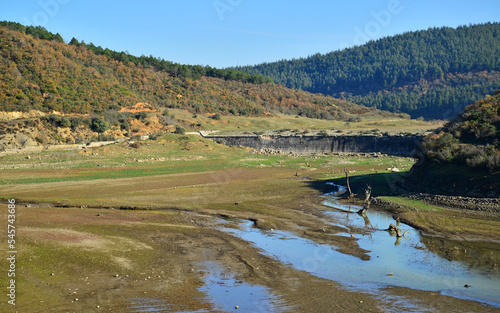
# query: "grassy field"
300, 124
170, 154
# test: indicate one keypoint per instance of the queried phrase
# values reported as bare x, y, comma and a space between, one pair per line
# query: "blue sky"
225, 33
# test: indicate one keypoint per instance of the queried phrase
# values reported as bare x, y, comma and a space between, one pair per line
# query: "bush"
65, 123
76, 121
103, 137
216, 117
155, 136
493, 162
135, 145
99, 124
179, 130
141, 116
354, 119
124, 124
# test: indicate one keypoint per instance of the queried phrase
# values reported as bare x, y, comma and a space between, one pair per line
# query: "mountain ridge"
431, 73
50, 75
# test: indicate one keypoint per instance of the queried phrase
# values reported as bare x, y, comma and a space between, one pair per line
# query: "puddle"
223, 291
226, 292
403, 262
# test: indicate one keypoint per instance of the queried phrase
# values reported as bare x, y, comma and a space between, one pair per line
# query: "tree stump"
394, 228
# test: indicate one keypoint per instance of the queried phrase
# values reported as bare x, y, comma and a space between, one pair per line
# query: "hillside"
433, 73
463, 157
45, 74
174, 69
57, 93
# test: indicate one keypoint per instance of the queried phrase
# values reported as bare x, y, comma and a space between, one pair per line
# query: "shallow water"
405, 262
226, 292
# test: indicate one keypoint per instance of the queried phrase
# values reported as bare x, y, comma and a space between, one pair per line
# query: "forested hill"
463, 158
433, 73
174, 69
40, 71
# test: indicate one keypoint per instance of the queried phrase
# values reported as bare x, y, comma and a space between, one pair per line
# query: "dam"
295, 144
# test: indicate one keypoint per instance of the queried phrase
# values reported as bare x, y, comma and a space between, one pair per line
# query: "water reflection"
407, 259
232, 295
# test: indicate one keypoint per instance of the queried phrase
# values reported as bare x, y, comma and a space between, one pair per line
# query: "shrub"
65, 122
155, 136
124, 124
493, 162
135, 145
354, 119
103, 137
99, 124
141, 116
76, 121
179, 130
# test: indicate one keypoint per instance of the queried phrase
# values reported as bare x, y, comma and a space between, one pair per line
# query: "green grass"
381, 183
416, 204
170, 154
281, 121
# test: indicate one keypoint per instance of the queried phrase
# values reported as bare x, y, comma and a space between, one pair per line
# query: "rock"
390, 274
466, 286
395, 169
237, 307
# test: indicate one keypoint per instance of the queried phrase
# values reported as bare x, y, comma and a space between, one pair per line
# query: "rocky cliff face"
393, 145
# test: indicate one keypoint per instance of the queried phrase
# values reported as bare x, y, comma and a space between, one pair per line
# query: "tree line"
174, 69
415, 72
50, 75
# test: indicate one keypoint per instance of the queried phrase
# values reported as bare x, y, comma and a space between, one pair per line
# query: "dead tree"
368, 200
393, 229
347, 182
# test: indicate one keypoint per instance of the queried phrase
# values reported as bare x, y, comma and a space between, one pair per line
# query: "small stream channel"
403, 262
